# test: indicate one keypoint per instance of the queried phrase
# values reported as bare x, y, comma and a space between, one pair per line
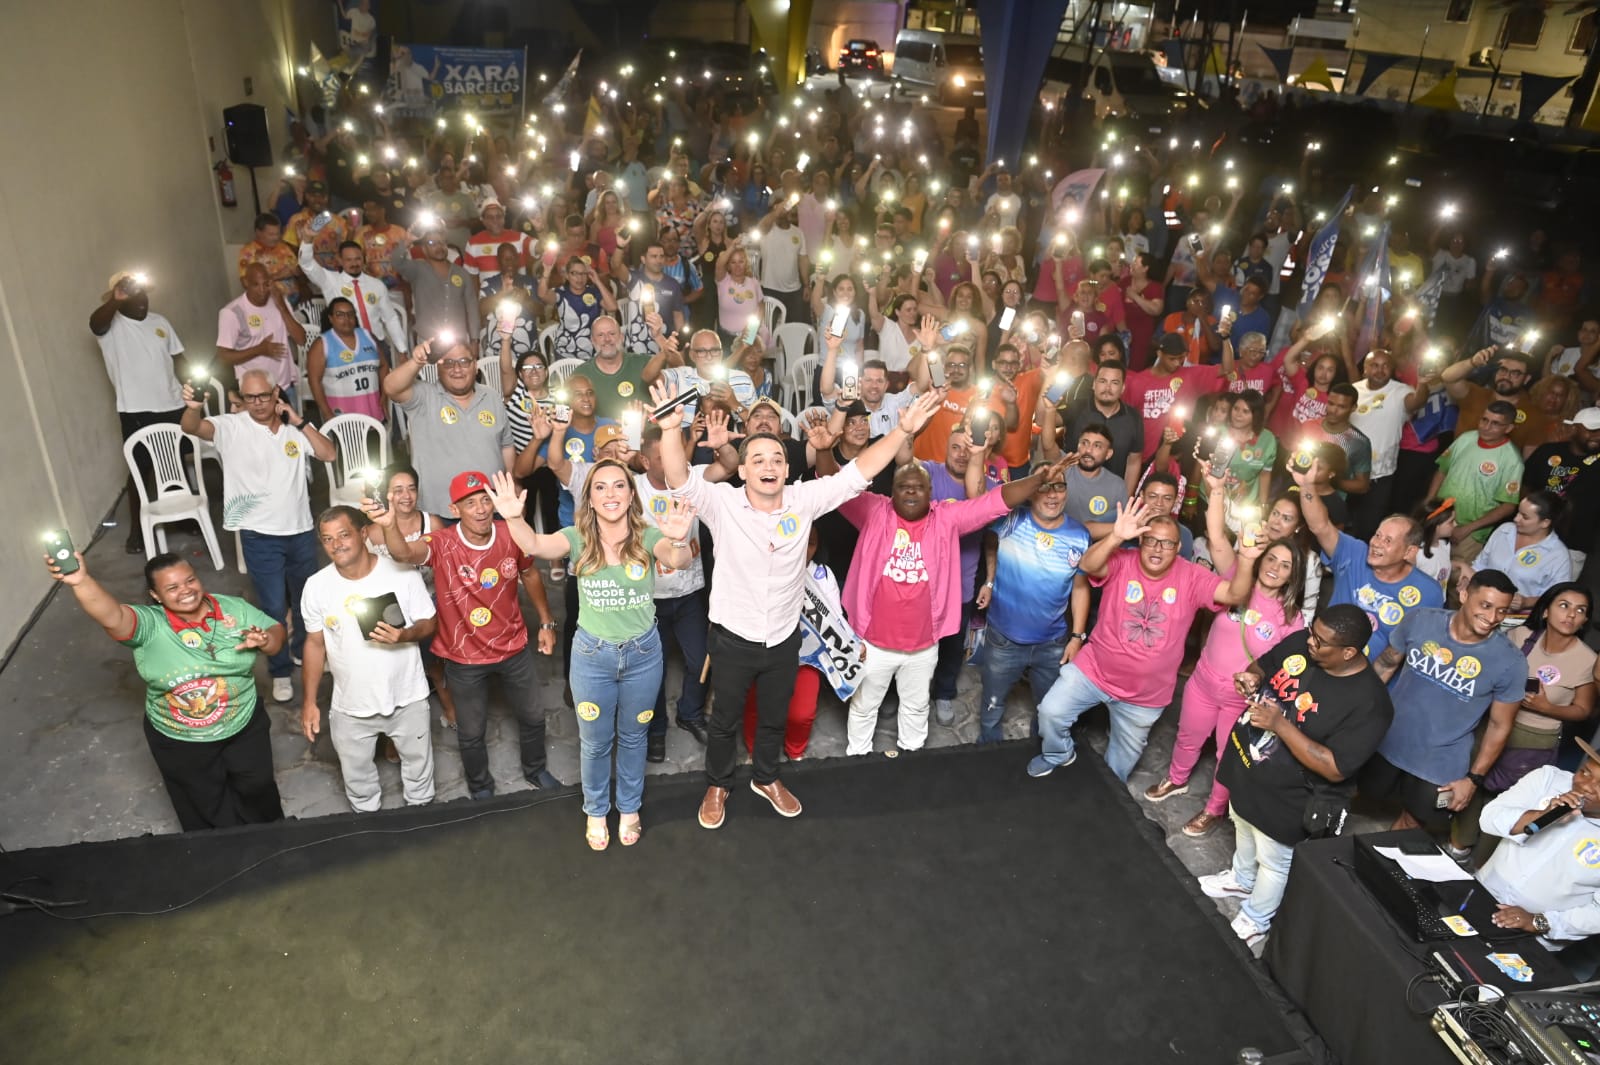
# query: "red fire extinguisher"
225, 184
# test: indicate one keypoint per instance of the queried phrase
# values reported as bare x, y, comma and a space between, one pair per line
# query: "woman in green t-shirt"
616, 655
196, 654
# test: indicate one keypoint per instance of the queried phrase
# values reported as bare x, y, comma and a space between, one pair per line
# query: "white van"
1121, 85
947, 66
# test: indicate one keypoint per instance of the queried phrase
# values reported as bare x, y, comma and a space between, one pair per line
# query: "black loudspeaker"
246, 128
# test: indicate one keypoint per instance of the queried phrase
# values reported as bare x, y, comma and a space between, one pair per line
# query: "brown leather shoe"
780, 797
1201, 824
714, 807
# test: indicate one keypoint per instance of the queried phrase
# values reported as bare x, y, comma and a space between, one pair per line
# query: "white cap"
1588, 417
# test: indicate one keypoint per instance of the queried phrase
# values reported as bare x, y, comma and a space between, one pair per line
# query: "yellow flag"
1442, 95
1317, 74
1216, 63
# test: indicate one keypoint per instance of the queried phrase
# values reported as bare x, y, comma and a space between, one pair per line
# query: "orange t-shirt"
1017, 448
934, 440
1194, 336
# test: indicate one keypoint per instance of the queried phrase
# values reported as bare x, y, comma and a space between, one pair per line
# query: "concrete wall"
112, 105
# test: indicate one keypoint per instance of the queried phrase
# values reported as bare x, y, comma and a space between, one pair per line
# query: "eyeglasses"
533, 367
705, 351
1313, 640
341, 314
456, 364
1053, 486
1158, 545
257, 397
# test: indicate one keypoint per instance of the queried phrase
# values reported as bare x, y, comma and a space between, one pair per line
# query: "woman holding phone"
196, 654
612, 553
739, 295
1211, 704
826, 306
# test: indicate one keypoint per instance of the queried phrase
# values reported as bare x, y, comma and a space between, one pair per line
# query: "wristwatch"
1476, 778
552, 626
1081, 637
1541, 924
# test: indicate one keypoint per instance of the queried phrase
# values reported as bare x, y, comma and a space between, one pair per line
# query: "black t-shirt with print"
1267, 784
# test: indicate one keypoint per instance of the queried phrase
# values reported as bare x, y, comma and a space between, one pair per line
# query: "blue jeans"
952, 654
612, 687
686, 617
1004, 663
1261, 866
1069, 697
279, 567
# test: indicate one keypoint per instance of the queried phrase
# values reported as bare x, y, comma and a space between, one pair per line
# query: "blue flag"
1375, 288
1320, 255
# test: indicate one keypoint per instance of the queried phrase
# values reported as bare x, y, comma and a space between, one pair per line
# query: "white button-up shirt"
374, 310
1555, 872
761, 556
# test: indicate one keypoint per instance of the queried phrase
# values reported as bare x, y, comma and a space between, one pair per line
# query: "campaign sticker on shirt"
489, 578
1177, 383
346, 291
1265, 630
1587, 852
1528, 557
331, 621
1043, 541
1134, 594
645, 717
788, 525
1294, 665
162, 333
1514, 487
573, 447
1444, 656
902, 539
347, 355
625, 389
372, 298
449, 415
1469, 667
291, 449
1169, 595
1522, 416
254, 321
455, 279
588, 711
1098, 505
588, 299
635, 572
1548, 674
1555, 460
380, 240
1303, 703
486, 419
1252, 616
190, 639
1487, 468
1410, 596
480, 617
658, 505
1391, 613
1311, 393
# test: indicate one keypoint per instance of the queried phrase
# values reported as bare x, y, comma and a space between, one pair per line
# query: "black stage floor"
938, 908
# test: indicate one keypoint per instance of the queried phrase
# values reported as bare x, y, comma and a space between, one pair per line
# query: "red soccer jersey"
480, 616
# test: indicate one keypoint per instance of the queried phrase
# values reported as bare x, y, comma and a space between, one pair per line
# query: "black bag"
1327, 808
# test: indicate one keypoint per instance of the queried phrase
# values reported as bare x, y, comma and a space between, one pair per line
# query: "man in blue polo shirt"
1380, 577
1032, 558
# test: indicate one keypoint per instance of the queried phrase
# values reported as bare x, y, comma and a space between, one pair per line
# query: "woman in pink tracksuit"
1210, 704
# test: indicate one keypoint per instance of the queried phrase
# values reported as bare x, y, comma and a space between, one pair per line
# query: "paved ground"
74, 766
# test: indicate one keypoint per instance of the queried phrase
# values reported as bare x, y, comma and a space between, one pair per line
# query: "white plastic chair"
561, 369
627, 310
352, 435
175, 499
489, 372
773, 314
792, 341
547, 341
797, 394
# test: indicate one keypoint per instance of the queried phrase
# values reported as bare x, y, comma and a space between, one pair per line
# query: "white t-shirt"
686, 377
1566, 363
369, 678
1381, 414
883, 421
780, 258
1278, 247
1006, 208
138, 358
1457, 272
671, 583
263, 476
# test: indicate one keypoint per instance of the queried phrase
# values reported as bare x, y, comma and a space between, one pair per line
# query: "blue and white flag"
1375, 287
827, 642
1320, 256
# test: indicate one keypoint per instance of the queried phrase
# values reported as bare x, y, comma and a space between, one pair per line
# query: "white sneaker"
944, 712
1223, 885
1247, 930
282, 689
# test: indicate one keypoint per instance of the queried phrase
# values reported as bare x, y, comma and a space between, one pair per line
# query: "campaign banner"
426, 80
357, 22
1320, 255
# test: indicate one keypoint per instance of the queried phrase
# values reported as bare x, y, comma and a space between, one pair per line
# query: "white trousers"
355, 740
912, 673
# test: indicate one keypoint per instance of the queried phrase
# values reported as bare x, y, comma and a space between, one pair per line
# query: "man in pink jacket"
904, 592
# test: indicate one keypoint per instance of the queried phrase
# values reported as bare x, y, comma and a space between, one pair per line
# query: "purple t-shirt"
1137, 643
947, 488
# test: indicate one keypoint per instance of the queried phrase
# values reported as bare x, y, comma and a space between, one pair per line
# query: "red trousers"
802, 714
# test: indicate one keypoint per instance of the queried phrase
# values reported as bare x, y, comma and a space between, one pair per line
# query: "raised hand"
915, 415
1131, 520
719, 430
192, 398
819, 435
377, 513
253, 639
661, 392
71, 580
420, 353
508, 499
927, 332
677, 522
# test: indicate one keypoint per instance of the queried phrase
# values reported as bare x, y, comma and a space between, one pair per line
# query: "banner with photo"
426, 80
357, 22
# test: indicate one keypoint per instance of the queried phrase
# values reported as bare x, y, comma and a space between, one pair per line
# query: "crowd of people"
1101, 444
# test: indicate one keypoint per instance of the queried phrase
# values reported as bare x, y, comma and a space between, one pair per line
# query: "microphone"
1548, 818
